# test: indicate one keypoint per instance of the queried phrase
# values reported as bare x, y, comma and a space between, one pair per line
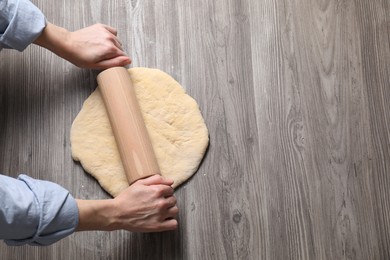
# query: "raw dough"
174, 122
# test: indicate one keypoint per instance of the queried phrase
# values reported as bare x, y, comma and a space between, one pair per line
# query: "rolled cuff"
58, 213
26, 23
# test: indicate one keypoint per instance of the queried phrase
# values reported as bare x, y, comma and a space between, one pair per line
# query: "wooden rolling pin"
131, 135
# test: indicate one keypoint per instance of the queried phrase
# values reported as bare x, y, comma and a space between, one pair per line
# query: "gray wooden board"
296, 98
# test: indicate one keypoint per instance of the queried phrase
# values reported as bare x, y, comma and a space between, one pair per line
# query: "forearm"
96, 215
54, 38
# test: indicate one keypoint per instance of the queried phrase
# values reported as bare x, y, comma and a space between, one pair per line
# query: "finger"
166, 203
118, 43
172, 213
168, 191
156, 179
114, 62
169, 224
111, 51
170, 202
110, 29
162, 190
114, 39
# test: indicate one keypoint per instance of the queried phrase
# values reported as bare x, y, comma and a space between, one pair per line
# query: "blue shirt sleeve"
35, 212
21, 23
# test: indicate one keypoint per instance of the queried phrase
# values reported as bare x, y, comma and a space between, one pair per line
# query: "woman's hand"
96, 46
148, 205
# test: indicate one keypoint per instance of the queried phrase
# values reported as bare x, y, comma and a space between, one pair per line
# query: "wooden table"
295, 94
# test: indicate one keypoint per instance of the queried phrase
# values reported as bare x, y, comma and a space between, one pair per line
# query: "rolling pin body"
131, 135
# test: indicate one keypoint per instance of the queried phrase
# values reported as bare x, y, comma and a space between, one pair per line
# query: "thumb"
155, 179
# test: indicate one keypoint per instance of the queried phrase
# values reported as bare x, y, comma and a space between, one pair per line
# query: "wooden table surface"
296, 97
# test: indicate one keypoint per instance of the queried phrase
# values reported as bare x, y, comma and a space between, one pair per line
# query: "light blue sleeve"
21, 23
35, 212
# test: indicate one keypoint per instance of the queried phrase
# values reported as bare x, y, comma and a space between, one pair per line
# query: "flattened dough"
174, 122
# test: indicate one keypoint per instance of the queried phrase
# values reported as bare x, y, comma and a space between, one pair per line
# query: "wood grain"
296, 98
